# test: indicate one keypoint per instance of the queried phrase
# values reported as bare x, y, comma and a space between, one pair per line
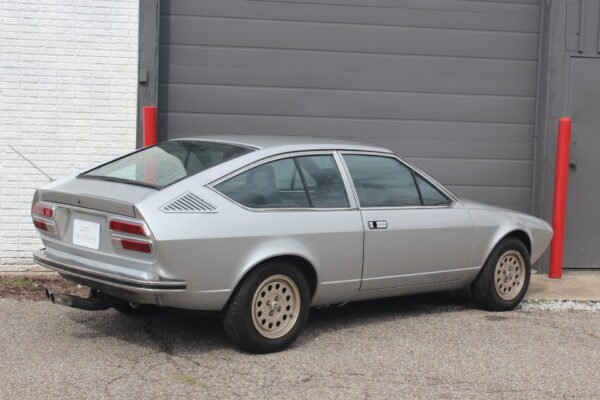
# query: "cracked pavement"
421, 347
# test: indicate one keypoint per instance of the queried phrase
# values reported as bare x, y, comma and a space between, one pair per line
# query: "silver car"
260, 228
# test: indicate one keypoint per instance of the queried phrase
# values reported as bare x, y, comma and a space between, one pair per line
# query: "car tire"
125, 307
268, 309
504, 278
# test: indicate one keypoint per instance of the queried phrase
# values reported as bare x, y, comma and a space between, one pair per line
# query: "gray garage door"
448, 84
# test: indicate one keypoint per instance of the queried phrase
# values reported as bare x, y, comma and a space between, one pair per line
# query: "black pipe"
96, 301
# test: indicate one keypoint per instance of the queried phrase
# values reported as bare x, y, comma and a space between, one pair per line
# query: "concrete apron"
574, 285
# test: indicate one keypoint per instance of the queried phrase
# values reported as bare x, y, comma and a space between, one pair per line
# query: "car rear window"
166, 163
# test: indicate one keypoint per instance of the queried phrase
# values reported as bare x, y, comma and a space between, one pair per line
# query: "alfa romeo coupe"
259, 229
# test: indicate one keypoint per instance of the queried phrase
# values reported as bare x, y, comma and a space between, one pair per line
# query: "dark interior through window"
308, 181
429, 194
382, 181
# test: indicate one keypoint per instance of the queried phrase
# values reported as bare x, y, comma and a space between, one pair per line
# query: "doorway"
582, 232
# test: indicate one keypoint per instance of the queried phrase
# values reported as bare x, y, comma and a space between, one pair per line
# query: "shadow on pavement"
184, 332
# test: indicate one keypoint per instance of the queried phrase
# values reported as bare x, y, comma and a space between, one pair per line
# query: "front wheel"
504, 279
269, 308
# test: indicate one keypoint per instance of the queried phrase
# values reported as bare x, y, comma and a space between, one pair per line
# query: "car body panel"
424, 249
395, 256
494, 223
215, 250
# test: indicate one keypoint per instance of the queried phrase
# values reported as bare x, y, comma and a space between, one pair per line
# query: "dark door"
583, 218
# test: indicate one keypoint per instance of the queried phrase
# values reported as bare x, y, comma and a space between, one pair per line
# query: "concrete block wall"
68, 81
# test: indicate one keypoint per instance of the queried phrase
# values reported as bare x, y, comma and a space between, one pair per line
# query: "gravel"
424, 347
563, 305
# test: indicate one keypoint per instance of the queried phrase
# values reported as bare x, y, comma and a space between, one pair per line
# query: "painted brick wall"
68, 73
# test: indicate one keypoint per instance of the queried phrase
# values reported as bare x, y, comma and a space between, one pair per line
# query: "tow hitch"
95, 301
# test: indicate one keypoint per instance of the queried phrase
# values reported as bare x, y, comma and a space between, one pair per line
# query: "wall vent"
188, 203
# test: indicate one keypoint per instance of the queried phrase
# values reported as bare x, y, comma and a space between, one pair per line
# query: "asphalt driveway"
418, 347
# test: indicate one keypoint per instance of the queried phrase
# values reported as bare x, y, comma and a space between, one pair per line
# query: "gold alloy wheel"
275, 306
509, 275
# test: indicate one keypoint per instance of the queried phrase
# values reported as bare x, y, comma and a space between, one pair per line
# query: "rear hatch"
93, 219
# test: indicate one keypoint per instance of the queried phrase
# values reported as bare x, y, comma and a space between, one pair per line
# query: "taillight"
120, 227
40, 225
127, 227
42, 211
43, 217
136, 245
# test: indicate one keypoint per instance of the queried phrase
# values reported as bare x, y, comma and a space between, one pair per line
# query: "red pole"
560, 198
149, 126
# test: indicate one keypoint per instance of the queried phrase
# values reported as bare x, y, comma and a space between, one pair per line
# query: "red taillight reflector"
127, 227
43, 211
41, 225
135, 245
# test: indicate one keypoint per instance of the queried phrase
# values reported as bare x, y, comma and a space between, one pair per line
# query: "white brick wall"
68, 73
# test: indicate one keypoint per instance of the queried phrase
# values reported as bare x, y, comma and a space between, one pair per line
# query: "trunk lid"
96, 194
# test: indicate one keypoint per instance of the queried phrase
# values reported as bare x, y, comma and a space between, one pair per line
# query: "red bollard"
560, 198
149, 126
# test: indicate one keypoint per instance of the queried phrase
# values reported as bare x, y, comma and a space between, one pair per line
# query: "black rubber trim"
60, 267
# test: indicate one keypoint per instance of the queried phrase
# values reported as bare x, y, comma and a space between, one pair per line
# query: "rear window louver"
188, 203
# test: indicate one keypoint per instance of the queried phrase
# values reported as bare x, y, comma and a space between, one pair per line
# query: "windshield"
166, 163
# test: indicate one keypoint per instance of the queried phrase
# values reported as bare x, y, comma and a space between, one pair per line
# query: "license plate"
86, 234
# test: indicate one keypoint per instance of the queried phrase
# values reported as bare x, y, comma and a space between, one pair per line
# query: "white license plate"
86, 234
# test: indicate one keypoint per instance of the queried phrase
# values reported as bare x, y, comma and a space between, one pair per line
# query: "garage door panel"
506, 196
456, 149
186, 124
350, 38
206, 56
331, 71
496, 6
310, 102
459, 171
406, 13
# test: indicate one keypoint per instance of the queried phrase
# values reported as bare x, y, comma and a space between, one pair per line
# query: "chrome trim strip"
342, 282
421, 273
111, 280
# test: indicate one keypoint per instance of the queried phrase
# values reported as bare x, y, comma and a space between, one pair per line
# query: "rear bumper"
162, 292
137, 285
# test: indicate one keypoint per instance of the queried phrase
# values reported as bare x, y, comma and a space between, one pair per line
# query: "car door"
414, 232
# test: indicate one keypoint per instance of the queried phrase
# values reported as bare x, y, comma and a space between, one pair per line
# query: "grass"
190, 380
17, 281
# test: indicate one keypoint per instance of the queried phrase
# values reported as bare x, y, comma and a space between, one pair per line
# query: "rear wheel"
268, 309
504, 279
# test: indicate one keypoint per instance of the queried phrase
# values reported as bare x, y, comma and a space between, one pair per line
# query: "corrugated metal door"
448, 84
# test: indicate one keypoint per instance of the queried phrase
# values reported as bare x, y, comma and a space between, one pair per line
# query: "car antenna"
32, 164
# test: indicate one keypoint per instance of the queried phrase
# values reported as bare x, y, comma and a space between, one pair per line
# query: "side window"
271, 185
430, 195
382, 181
323, 181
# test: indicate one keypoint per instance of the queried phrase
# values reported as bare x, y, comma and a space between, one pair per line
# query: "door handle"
378, 224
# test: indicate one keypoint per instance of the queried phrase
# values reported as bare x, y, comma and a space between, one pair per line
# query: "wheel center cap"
275, 306
508, 275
